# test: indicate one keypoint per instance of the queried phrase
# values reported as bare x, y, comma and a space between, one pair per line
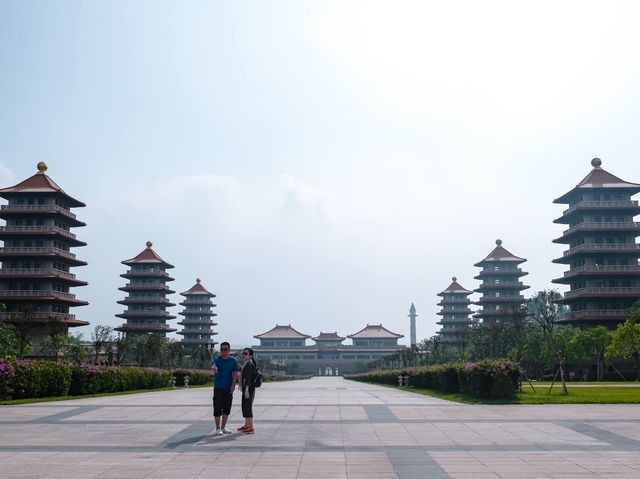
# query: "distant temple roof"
148, 255
328, 337
39, 183
282, 332
455, 288
374, 331
501, 254
598, 178
197, 289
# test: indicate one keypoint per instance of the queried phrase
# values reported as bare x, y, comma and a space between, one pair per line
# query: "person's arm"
234, 378
247, 380
214, 367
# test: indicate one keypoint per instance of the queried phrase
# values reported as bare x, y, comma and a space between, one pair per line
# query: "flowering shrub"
35, 379
484, 379
7, 373
490, 379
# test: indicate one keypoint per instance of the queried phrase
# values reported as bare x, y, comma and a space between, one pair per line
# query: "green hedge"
37, 379
494, 379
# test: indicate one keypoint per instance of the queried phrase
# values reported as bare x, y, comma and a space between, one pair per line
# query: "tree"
201, 358
54, 345
595, 342
174, 351
546, 311
625, 343
101, 340
75, 352
9, 341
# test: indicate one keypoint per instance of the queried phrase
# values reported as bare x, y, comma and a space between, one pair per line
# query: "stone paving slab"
322, 427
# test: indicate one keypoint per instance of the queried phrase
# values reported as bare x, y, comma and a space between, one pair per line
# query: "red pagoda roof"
39, 183
328, 337
455, 288
501, 254
148, 255
282, 332
197, 289
376, 331
598, 178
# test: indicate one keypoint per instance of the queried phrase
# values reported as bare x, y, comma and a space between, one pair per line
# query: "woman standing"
247, 378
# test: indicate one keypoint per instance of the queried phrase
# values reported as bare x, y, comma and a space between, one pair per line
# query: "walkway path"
323, 427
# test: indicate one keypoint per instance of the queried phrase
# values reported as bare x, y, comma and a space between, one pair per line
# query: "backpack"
257, 378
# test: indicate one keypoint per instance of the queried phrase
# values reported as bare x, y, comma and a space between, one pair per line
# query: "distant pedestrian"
248, 377
225, 368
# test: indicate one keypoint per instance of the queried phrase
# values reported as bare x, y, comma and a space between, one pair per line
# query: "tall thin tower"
413, 316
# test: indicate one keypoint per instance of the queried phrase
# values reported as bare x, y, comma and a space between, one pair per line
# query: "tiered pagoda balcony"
454, 311
147, 287
604, 292
146, 314
456, 320
492, 286
36, 252
147, 274
145, 328
455, 302
598, 270
600, 227
624, 206
13, 211
590, 249
503, 298
515, 273
195, 322
41, 295
187, 302
596, 314
40, 273
10, 232
147, 300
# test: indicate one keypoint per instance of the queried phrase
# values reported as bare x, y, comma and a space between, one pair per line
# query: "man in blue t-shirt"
225, 369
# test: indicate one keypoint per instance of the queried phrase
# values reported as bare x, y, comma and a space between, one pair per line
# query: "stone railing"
36, 272
37, 229
619, 268
604, 225
37, 209
601, 204
602, 290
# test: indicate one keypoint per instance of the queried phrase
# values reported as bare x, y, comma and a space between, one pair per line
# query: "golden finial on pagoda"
149, 244
596, 162
42, 168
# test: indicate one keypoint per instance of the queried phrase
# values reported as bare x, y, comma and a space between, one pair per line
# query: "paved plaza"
323, 427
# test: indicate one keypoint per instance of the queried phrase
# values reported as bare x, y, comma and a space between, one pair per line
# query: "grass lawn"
578, 394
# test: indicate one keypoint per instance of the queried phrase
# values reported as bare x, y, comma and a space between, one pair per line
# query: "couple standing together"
228, 373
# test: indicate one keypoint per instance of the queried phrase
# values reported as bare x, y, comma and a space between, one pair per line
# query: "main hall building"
285, 345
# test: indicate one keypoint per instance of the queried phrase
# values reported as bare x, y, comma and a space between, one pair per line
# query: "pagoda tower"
197, 331
603, 275
146, 301
455, 313
35, 277
501, 287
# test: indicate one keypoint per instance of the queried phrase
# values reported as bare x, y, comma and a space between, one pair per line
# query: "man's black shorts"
222, 399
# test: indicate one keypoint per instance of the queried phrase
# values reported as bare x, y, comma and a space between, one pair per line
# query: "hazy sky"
319, 163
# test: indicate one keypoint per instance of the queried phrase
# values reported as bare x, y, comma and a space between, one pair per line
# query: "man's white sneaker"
225, 430
218, 432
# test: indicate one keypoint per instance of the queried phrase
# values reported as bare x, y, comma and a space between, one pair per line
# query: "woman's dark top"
248, 374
